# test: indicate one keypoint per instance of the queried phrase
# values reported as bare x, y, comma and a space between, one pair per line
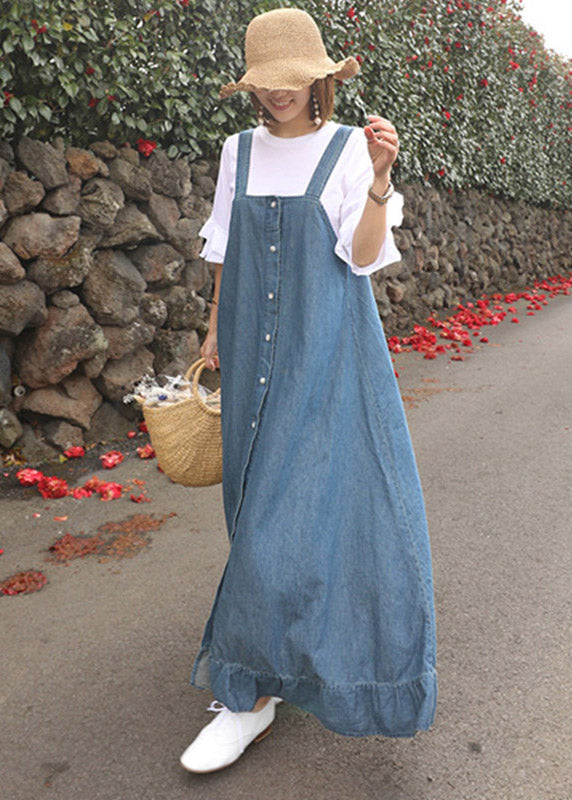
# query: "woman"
327, 597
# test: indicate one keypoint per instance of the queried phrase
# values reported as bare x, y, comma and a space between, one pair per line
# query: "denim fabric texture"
327, 596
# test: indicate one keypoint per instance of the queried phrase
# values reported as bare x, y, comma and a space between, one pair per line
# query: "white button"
268, 337
262, 380
273, 204
272, 248
271, 295
253, 424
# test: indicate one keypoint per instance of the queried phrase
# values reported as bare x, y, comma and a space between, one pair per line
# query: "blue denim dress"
327, 596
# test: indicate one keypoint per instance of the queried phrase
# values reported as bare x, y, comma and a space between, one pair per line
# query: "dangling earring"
316, 105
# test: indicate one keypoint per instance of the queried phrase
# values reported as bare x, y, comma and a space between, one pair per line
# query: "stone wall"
100, 279
456, 247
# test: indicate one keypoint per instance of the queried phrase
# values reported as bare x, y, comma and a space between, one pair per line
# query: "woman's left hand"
382, 144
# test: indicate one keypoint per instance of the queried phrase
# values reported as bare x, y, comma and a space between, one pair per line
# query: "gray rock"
101, 201
175, 351
185, 309
93, 367
70, 269
195, 207
5, 170
172, 178
62, 434
10, 428
33, 448
22, 194
114, 288
134, 181
43, 161
40, 234
153, 310
11, 271
159, 264
64, 299
127, 153
5, 377
200, 168
123, 341
104, 149
205, 186
395, 292
51, 352
3, 212
110, 423
163, 213
22, 305
131, 227
65, 199
119, 377
185, 238
75, 399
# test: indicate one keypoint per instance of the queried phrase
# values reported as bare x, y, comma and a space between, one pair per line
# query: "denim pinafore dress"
327, 597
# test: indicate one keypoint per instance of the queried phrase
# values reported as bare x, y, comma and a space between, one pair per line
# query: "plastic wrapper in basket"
187, 436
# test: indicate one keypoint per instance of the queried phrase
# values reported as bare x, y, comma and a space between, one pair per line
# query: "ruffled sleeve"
215, 229
355, 196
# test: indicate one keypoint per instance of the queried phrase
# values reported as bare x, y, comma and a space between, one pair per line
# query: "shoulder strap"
328, 162
243, 162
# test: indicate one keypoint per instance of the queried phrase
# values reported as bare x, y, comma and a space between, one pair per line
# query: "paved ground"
94, 695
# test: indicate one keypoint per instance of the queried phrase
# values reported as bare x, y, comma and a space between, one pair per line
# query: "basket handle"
197, 367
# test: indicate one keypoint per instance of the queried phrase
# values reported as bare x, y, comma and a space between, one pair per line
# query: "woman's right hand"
209, 350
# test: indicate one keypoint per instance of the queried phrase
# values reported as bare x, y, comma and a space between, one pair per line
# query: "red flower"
146, 451
515, 319
74, 452
81, 492
29, 477
111, 459
140, 498
131, 434
92, 484
7, 97
142, 427
52, 487
359, 59
89, 70
352, 12
514, 64
447, 114
93, 102
146, 147
109, 491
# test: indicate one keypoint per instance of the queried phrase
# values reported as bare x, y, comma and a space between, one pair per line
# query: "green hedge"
476, 97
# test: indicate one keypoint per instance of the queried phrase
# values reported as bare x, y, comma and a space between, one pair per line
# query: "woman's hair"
323, 89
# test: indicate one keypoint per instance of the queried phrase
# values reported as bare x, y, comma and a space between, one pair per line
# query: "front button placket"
271, 280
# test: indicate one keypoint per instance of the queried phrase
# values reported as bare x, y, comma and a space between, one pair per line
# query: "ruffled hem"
361, 709
389, 253
214, 247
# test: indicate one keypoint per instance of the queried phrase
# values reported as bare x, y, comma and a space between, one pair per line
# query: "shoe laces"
224, 716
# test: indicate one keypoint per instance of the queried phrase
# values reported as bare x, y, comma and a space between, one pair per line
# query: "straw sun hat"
284, 50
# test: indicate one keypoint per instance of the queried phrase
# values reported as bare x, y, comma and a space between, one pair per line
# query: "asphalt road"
94, 696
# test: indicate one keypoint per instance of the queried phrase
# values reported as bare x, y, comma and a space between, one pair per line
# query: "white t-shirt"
283, 167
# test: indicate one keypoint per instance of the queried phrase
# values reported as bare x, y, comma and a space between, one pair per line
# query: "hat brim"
295, 74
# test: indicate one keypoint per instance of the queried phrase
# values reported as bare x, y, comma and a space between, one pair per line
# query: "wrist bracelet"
377, 198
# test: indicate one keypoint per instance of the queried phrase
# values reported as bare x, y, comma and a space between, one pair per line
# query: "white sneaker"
224, 740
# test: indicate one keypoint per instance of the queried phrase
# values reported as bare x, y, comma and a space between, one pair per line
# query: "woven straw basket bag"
187, 435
